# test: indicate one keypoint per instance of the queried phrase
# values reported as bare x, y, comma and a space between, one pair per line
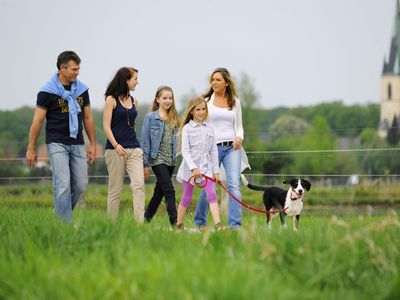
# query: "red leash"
236, 199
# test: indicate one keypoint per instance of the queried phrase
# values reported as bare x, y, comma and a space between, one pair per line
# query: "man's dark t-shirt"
57, 117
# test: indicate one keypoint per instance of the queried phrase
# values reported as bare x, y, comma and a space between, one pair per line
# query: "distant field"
380, 195
331, 257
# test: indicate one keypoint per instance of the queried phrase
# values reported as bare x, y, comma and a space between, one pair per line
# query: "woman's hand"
237, 143
120, 150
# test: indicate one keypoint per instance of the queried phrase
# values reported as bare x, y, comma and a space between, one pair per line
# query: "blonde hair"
187, 115
173, 116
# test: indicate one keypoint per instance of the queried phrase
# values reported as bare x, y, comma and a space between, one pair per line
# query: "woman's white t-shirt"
223, 122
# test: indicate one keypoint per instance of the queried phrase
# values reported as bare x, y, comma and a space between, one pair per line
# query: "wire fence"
42, 172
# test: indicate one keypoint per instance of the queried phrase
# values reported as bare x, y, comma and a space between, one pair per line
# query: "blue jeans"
70, 176
231, 160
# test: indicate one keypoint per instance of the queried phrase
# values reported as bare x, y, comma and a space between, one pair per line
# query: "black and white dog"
288, 202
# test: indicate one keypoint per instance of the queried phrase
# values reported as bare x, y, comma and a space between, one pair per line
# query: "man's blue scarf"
54, 86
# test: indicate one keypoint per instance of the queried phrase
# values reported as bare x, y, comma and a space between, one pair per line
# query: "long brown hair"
173, 116
118, 87
230, 89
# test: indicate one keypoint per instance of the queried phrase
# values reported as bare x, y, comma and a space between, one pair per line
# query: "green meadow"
332, 256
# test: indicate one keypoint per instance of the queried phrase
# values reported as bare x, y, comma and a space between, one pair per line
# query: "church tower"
390, 80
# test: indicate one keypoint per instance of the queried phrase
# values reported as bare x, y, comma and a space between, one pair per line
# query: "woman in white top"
200, 157
225, 116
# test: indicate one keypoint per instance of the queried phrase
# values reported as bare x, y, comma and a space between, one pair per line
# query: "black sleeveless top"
123, 126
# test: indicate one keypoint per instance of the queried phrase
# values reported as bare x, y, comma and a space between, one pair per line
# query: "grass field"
41, 194
331, 257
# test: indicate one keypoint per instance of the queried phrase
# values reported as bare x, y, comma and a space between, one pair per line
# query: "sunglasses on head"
224, 70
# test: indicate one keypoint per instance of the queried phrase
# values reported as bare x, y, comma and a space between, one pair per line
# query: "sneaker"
203, 229
220, 227
179, 227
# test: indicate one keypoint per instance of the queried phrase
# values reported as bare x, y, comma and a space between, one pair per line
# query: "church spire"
396, 23
392, 65
390, 80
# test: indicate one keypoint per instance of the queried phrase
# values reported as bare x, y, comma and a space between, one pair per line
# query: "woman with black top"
123, 151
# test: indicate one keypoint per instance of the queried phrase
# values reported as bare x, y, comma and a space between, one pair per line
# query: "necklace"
127, 113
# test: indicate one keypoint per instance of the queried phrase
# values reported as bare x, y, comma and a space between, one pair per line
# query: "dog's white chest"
294, 207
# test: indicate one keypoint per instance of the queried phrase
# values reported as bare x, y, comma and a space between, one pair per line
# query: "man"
64, 102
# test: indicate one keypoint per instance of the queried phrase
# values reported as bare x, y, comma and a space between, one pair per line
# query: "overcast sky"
297, 52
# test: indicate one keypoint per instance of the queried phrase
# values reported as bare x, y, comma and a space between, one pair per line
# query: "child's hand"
216, 176
196, 173
146, 173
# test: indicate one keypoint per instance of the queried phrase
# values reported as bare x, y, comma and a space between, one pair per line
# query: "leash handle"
236, 199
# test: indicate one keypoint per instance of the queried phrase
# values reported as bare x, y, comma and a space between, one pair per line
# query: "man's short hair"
67, 56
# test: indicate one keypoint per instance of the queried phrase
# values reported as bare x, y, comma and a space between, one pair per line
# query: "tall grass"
94, 258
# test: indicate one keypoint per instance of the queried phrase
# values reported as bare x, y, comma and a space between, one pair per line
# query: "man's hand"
91, 153
37, 122
31, 157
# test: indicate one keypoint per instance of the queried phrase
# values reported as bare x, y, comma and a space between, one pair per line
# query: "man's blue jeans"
231, 160
70, 176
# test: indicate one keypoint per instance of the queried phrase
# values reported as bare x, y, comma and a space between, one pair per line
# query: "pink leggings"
188, 192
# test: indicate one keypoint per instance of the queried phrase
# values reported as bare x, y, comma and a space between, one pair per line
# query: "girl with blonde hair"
200, 157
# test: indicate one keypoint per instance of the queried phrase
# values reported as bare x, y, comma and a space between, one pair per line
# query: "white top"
237, 111
238, 132
199, 150
224, 120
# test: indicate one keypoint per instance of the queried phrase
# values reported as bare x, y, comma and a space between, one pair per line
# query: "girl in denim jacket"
159, 144
200, 156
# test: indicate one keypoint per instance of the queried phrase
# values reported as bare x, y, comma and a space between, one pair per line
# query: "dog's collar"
296, 196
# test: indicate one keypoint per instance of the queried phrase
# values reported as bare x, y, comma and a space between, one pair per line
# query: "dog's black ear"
290, 181
306, 184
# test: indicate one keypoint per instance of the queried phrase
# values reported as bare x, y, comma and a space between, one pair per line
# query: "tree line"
281, 140
326, 126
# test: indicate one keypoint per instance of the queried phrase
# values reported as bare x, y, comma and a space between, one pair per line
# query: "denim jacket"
152, 132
